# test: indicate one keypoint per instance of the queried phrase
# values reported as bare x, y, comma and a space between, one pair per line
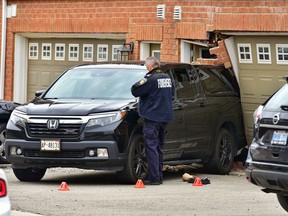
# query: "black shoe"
149, 182
205, 180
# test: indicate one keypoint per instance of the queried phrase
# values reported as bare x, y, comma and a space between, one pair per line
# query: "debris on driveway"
191, 179
182, 167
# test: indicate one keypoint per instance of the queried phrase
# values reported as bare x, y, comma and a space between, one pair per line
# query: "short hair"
152, 61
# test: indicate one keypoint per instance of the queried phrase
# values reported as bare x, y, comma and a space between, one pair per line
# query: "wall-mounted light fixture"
124, 51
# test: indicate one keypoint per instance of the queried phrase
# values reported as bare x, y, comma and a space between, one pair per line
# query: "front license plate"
279, 138
50, 145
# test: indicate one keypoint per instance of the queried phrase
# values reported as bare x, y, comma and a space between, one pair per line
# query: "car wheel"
29, 174
136, 166
283, 200
2, 147
222, 160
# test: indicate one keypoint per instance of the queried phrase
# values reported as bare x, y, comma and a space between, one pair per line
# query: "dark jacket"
155, 96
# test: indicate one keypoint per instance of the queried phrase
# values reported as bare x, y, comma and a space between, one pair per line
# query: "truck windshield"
95, 83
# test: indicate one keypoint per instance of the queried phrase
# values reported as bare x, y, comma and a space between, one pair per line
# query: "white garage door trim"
20, 69
185, 49
145, 49
64, 35
229, 43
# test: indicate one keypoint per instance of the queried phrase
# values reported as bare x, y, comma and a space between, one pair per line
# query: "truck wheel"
223, 157
2, 147
283, 200
136, 165
29, 174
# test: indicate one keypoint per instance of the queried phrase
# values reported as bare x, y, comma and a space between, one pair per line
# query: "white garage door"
49, 58
262, 62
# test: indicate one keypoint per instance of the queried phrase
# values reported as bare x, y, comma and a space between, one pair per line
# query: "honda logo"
52, 124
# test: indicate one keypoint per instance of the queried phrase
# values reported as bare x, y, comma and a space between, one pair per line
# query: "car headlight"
104, 119
18, 118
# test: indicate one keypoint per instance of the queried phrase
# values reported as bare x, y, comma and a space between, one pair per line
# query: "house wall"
138, 20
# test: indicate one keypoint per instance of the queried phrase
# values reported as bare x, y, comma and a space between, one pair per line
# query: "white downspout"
3, 48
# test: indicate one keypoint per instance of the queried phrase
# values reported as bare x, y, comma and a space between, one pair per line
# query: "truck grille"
64, 130
61, 154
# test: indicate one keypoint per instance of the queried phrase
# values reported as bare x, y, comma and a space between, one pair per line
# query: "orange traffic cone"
139, 184
197, 182
64, 187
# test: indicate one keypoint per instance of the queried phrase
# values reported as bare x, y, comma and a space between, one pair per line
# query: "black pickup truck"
88, 119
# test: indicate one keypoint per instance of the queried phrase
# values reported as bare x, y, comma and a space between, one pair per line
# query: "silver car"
5, 205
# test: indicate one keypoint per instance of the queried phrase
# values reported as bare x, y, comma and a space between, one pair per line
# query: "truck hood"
75, 108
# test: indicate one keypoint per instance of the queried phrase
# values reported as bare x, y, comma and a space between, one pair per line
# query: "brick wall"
221, 53
138, 19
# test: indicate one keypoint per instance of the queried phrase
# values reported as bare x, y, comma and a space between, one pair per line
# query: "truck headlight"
18, 118
104, 119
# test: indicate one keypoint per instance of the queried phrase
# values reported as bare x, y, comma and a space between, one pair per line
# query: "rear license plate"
279, 138
50, 145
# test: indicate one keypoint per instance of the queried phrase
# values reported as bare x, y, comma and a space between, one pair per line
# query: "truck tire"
136, 166
2, 147
283, 200
223, 157
29, 174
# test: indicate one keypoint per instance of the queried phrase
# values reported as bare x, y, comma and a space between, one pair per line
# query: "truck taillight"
3, 188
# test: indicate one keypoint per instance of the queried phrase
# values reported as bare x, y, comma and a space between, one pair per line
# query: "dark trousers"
154, 133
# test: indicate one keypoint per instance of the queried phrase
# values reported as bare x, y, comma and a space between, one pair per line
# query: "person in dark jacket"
155, 107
